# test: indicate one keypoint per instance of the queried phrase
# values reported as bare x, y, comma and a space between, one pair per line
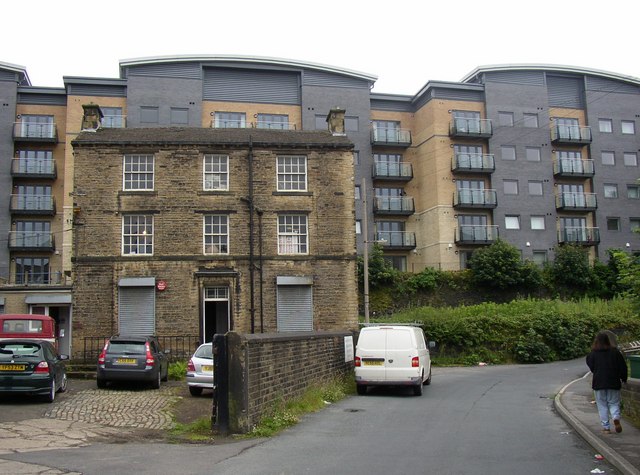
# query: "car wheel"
361, 389
195, 390
102, 383
63, 385
427, 381
155, 384
417, 390
52, 391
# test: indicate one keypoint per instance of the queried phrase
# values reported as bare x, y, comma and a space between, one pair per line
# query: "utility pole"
365, 232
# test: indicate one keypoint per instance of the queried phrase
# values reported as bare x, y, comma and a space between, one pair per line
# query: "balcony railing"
114, 121
44, 277
32, 204
31, 241
273, 125
470, 198
478, 128
473, 163
27, 131
402, 205
571, 134
397, 240
392, 171
577, 201
390, 136
230, 124
33, 168
476, 234
579, 235
573, 167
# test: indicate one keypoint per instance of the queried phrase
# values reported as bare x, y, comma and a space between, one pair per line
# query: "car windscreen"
127, 347
204, 351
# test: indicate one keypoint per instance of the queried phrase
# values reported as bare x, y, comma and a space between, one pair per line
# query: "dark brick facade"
178, 203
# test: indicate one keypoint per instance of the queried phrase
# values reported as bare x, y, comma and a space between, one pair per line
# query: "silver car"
200, 370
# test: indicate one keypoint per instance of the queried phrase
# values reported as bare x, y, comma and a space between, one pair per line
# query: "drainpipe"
251, 225
260, 213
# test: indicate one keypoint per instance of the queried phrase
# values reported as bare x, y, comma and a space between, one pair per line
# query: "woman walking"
609, 372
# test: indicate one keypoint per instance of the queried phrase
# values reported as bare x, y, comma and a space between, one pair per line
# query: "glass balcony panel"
33, 167
114, 121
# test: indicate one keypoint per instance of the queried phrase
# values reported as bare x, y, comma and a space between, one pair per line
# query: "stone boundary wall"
267, 368
631, 400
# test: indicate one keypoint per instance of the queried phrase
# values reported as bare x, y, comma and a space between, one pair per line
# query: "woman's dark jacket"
608, 367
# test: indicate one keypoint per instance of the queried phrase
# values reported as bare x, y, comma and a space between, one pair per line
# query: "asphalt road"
479, 420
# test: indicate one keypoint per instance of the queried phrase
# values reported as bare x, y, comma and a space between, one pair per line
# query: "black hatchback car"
32, 367
133, 359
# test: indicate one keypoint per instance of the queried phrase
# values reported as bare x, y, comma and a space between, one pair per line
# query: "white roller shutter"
295, 308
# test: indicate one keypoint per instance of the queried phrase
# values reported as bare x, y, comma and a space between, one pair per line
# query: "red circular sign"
161, 285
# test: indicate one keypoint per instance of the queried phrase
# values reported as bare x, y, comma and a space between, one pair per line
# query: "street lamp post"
365, 232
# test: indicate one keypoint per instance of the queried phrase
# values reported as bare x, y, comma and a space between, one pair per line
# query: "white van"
392, 355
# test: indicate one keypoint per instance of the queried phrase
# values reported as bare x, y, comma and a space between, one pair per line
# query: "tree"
500, 266
570, 269
380, 270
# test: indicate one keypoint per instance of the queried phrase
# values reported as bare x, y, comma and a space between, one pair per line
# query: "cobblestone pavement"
141, 409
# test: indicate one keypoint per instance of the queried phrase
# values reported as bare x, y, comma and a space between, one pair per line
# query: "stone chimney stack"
335, 119
92, 117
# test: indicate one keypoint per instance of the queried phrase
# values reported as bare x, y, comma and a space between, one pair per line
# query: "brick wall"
266, 368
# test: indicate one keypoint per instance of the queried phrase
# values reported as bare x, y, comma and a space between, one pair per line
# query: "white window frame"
630, 159
137, 179
535, 182
510, 148
605, 126
530, 120
230, 120
215, 172
291, 173
610, 154
140, 235
215, 235
293, 237
512, 222
633, 192
538, 154
610, 191
505, 119
629, 125
537, 223
517, 185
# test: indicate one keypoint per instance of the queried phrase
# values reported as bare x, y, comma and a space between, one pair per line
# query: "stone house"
188, 232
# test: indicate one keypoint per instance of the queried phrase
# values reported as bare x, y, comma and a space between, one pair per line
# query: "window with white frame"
633, 192
292, 173
512, 222
357, 192
530, 120
137, 173
605, 126
630, 159
532, 154
229, 120
537, 223
505, 119
535, 187
112, 117
216, 234
610, 190
358, 226
508, 152
628, 127
292, 234
608, 158
510, 187
137, 234
215, 172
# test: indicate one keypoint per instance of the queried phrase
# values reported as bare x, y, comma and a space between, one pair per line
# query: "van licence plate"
125, 361
373, 362
12, 367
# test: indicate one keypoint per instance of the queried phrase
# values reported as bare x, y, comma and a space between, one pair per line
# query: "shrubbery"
525, 331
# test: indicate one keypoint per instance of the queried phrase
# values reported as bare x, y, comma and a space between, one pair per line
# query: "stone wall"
267, 368
631, 401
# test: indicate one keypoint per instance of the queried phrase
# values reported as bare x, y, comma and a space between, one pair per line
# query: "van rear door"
401, 348
371, 349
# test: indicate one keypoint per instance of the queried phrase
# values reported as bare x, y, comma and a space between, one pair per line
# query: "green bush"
178, 370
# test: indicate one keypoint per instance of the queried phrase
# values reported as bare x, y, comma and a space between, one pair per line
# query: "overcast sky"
404, 43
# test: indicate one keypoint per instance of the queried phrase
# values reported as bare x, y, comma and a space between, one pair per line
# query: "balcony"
474, 128
392, 171
576, 201
473, 163
114, 122
33, 168
571, 134
230, 124
469, 198
32, 204
396, 205
45, 277
579, 235
34, 132
573, 167
273, 125
31, 241
390, 137
396, 240
476, 234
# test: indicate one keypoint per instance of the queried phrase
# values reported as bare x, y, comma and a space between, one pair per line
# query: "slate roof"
166, 136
